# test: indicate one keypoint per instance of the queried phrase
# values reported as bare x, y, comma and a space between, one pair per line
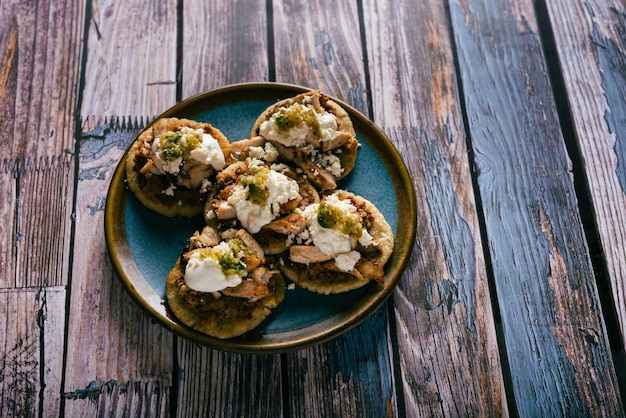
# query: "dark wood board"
557, 346
594, 33
444, 324
40, 44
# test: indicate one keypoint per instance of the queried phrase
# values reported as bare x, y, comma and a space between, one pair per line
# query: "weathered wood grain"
8, 97
118, 359
317, 44
346, 377
229, 47
8, 227
31, 351
216, 384
39, 53
435, 354
39, 65
556, 343
447, 346
594, 33
131, 59
119, 362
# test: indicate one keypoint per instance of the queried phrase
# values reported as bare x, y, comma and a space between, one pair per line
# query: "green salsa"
256, 191
294, 116
332, 217
177, 144
229, 263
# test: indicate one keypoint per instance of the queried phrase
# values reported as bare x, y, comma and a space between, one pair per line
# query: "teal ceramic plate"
144, 245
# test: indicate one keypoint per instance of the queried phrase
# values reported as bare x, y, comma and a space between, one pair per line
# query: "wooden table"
510, 115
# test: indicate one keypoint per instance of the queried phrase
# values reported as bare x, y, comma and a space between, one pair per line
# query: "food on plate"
171, 165
313, 132
344, 245
255, 195
272, 211
222, 284
257, 152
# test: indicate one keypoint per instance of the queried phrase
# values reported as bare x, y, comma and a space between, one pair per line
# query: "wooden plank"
31, 351
317, 44
131, 59
229, 48
347, 377
119, 361
38, 133
226, 50
39, 52
556, 342
590, 44
8, 97
217, 384
8, 258
447, 345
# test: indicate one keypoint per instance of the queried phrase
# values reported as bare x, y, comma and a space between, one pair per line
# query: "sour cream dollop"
172, 148
334, 241
290, 126
205, 273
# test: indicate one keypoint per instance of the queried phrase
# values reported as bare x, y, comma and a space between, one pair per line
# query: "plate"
144, 245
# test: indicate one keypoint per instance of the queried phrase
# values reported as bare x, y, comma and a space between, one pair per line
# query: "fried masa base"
316, 277
211, 323
344, 123
184, 201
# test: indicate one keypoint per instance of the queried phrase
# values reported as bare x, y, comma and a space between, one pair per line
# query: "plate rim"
322, 331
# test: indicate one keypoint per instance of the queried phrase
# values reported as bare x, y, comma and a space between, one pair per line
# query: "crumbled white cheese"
347, 261
268, 152
207, 151
328, 125
330, 241
254, 216
280, 167
365, 239
271, 152
255, 165
205, 186
170, 190
256, 152
328, 161
301, 238
294, 137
